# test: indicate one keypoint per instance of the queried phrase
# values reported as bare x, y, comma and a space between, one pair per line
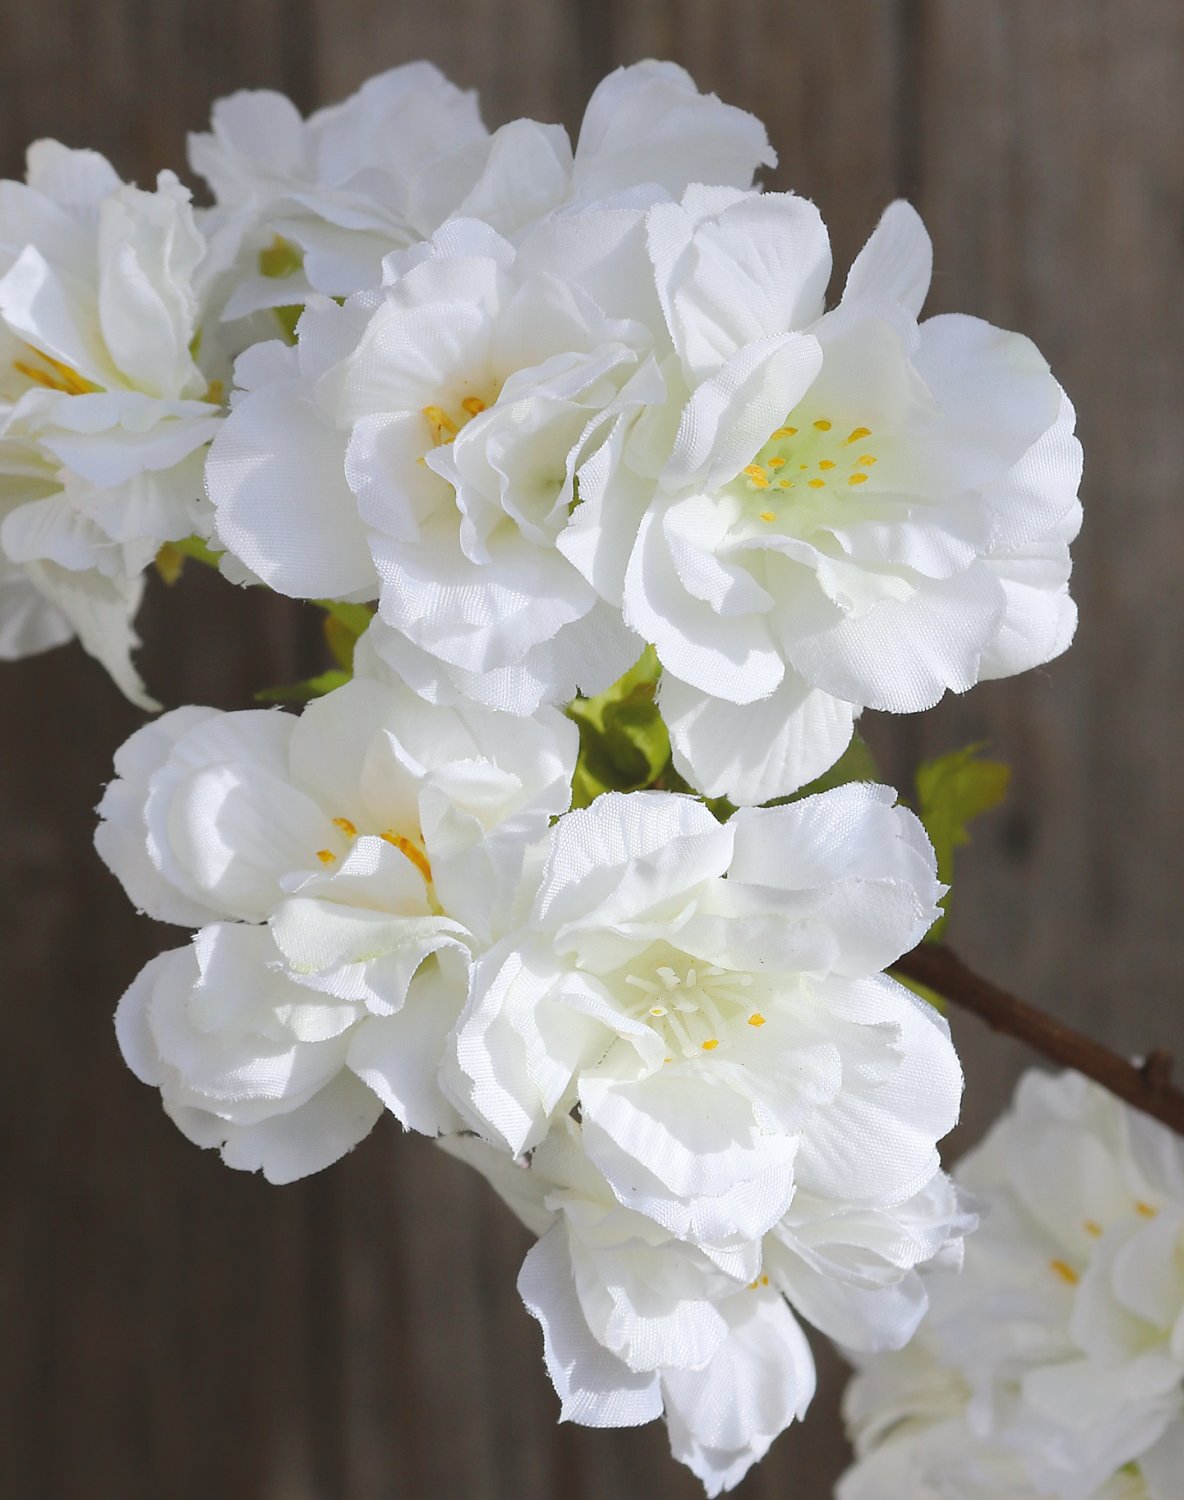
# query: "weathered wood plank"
178, 1329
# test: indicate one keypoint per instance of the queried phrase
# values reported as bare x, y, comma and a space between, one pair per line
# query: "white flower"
852, 509
424, 440
726, 1040
386, 167
103, 409
246, 1060
380, 839
637, 1324
1058, 1355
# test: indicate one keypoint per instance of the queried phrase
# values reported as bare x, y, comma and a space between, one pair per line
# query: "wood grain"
175, 1329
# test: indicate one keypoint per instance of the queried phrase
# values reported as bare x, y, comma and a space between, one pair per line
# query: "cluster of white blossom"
1054, 1364
545, 409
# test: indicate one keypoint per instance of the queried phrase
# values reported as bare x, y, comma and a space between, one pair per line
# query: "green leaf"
306, 691
343, 624
952, 791
193, 547
281, 258
624, 745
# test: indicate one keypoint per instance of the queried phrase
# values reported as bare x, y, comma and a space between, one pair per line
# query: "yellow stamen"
859, 432
825, 463
784, 432
1092, 1227
658, 1010
764, 1281
756, 1019
348, 828
473, 405
1064, 1271
866, 459
1144, 1210
326, 856
776, 463
767, 515
785, 484
417, 857
441, 423
857, 479
61, 377
823, 425
818, 484
711, 1044
754, 471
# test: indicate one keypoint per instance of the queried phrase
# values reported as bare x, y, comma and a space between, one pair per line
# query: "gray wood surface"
175, 1330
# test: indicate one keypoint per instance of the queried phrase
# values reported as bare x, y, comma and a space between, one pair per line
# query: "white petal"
897, 261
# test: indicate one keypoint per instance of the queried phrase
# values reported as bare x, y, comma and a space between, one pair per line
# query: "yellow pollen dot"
822, 425
818, 484
1092, 1227
1064, 1271
759, 484
754, 471
802, 468
866, 459
756, 1019
417, 857
776, 463
1145, 1211
667, 1059
752, 1285
857, 479
859, 432
711, 1044
785, 484
767, 515
657, 1010
764, 1281
473, 405
348, 828
825, 463
784, 432
326, 856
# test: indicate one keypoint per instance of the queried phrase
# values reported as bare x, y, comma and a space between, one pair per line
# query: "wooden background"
172, 1329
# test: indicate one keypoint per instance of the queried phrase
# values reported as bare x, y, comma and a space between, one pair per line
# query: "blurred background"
173, 1329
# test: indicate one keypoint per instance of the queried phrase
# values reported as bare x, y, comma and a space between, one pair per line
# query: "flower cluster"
1054, 1365
533, 413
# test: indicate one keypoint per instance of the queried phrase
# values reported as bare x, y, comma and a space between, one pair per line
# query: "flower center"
446, 421
693, 1007
53, 374
804, 460
408, 847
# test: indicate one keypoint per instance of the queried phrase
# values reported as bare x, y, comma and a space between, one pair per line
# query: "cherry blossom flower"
1054, 1365
104, 412
727, 1041
343, 866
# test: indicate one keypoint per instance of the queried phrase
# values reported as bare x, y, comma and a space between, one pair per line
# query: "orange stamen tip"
857, 479
1064, 1271
348, 828
326, 856
711, 1044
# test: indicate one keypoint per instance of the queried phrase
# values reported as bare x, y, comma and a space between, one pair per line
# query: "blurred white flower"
104, 411
1054, 1365
709, 996
380, 839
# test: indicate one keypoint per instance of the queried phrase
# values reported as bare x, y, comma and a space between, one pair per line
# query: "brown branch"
1147, 1087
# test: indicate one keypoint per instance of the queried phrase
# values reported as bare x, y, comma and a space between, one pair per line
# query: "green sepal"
953, 790
306, 691
624, 745
343, 624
